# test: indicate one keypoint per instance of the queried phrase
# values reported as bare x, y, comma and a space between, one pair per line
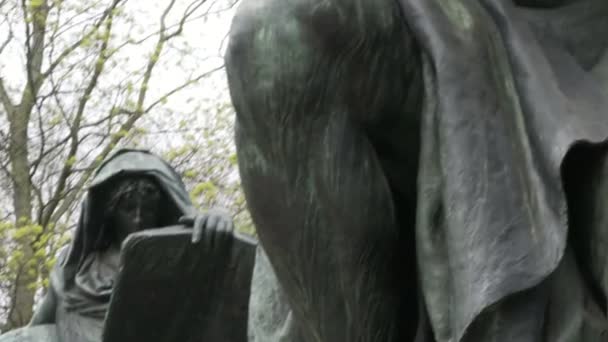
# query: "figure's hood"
508, 92
129, 161
123, 162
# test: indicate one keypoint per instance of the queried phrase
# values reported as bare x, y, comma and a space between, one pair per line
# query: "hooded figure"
438, 167
132, 190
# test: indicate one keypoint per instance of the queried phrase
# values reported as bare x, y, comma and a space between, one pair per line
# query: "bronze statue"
132, 191
424, 170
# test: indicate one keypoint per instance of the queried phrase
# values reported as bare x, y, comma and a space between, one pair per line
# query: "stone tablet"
172, 290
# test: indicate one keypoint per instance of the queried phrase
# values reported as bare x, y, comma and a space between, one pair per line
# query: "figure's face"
137, 207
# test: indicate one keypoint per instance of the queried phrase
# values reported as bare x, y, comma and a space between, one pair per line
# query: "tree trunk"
22, 300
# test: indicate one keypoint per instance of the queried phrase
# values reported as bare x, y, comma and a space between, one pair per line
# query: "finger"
221, 226
186, 220
212, 222
227, 232
199, 226
218, 237
212, 226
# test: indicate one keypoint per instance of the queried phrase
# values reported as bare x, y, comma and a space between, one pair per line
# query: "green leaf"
233, 159
121, 133
86, 42
71, 161
190, 174
140, 130
207, 189
36, 3
55, 120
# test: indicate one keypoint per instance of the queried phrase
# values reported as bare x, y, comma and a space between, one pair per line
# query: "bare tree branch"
76, 124
156, 33
182, 87
68, 51
70, 23
35, 38
192, 7
5, 99
8, 39
143, 90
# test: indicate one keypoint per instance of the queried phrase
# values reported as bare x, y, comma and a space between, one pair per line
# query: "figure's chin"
543, 3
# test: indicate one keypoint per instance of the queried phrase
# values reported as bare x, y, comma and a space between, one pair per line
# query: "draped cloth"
509, 91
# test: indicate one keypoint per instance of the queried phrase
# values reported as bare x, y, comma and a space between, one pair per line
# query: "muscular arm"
327, 95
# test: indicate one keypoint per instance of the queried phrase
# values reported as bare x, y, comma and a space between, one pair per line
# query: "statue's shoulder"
346, 19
